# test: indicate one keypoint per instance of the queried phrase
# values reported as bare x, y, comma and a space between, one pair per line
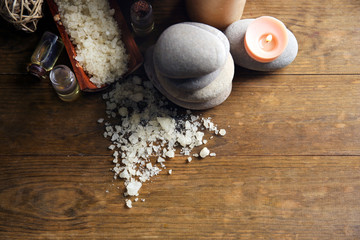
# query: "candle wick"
268, 38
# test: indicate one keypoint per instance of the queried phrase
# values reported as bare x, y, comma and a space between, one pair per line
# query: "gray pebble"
202, 105
219, 34
193, 84
236, 33
211, 91
187, 51
150, 71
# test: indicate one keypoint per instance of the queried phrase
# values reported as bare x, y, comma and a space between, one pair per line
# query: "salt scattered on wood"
145, 133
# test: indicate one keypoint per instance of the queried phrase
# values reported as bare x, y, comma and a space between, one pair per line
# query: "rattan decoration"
23, 14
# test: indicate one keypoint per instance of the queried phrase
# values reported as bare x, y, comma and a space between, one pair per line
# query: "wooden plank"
326, 32
35, 121
312, 115
47, 197
267, 115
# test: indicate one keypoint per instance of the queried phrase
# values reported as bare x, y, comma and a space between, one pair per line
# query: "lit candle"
265, 39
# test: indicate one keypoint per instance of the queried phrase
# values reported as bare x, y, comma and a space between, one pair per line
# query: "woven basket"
23, 14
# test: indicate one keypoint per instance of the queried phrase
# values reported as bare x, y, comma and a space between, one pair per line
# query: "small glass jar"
64, 82
45, 55
142, 19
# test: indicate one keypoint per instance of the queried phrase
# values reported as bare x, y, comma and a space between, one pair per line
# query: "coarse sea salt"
96, 37
146, 131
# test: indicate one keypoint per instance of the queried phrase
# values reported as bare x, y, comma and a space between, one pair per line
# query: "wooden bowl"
135, 57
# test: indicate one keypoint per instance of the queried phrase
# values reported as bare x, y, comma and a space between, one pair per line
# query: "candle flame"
268, 38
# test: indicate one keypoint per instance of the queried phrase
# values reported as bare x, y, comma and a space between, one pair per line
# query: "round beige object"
217, 13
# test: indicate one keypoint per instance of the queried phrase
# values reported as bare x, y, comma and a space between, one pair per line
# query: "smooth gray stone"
150, 71
236, 33
202, 105
193, 84
211, 91
187, 51
219, 34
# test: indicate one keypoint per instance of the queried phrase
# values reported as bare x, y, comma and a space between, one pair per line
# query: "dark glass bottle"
142, 19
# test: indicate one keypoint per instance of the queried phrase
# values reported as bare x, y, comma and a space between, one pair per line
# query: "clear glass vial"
45, 55
64, 82
142, 19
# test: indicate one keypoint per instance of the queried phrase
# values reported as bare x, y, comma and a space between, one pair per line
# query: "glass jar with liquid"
64, 82
45, 55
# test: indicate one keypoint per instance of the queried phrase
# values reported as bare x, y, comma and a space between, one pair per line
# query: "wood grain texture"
288, 168
52, 197
282, 115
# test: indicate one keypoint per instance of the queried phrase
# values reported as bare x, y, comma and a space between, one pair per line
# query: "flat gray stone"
202, 105
150, 71
211, 91
236, 33
187, 51
193, 84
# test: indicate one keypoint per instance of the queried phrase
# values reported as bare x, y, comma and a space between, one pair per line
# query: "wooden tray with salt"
135, 56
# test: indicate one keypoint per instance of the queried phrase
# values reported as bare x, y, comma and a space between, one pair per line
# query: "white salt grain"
133, 188
123, 111
170, 154
128, 203
204, 152
149, 166
222, 132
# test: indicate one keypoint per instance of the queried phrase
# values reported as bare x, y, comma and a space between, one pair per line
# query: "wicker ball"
23, 14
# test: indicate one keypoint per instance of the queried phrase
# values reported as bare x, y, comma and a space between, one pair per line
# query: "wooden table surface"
288, 168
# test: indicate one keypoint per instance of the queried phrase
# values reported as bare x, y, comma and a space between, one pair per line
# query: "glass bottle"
64, 82
142, 19
45, 55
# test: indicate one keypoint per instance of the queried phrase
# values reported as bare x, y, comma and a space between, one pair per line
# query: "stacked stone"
191, 65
